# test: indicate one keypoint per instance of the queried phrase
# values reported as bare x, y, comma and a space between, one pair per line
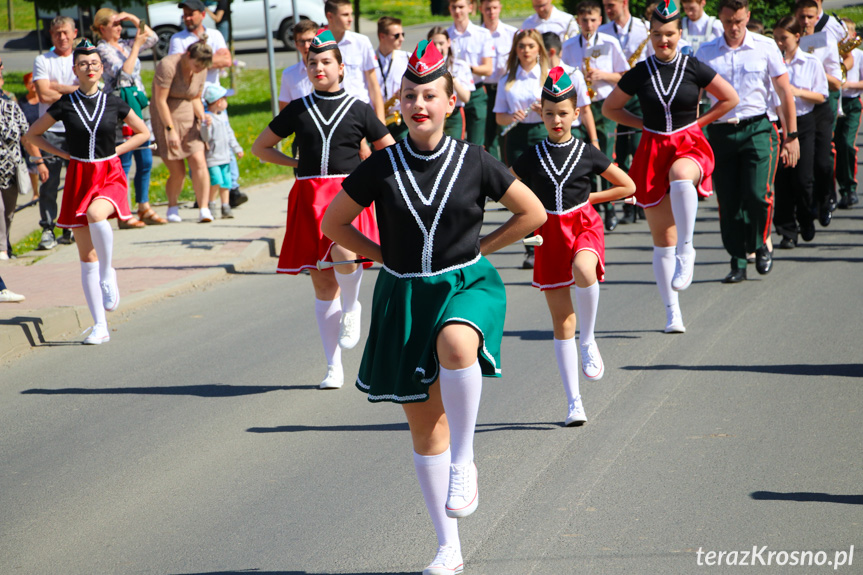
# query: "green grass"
23, 15
855, 13
414, 12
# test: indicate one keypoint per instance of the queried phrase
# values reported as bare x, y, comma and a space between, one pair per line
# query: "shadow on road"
805, 496
834, 369
207, 390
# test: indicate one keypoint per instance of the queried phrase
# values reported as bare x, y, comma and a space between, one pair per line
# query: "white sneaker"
674, 323
334, 379
576, 415
4, 256
10, 296
205, 216
110, 292
174, 214
463, 496
349, 328
591, 362
98, 334
683, 271
448, 561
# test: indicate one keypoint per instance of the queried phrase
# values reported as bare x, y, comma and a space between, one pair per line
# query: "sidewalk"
151, 263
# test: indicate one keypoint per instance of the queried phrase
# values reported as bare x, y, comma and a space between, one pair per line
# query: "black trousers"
48, 190
794, 186
825, 187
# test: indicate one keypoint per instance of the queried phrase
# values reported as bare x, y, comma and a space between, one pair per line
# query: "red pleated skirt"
655, 155
563, 236
87, 181
304, 242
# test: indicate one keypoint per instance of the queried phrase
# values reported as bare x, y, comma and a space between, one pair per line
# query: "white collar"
523, 74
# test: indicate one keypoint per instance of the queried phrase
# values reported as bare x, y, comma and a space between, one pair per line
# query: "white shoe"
334, 379
4, 256
591, 362
463, 496
674, 323
349, 328
110, 292
174, 214
576, 415
683, 271
98, 334
10, 296
205, 216
448, 561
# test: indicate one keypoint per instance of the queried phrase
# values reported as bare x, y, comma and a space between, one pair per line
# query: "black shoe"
639, 212
629, 215
236, 197
527, 264
66, 238
825, 216
611, 220
787, 244
852, 199
763, 260
735, 276
831, 202
844, 203
808, 233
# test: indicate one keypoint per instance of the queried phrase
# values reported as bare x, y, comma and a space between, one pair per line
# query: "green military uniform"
845, 141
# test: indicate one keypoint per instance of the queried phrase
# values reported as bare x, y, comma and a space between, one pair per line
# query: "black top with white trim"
560, 174
668, 91
91, 123
429, 205
329, 127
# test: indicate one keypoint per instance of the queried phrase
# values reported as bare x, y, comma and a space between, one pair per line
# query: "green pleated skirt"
400, 361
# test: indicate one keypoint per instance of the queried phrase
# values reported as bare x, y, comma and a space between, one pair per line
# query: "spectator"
29, 104
218, 11
221, 141
122, 76
54, 76
194, 13
7, 295
177, 115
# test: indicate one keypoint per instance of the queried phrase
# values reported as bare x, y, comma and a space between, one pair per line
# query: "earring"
448, 114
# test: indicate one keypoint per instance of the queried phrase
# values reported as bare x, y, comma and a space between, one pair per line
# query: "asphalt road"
196, 442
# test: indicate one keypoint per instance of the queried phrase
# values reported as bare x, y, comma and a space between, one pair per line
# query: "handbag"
25, 186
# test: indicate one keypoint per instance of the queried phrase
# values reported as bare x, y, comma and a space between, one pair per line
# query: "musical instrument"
509, 127
591, 93
632, 60
395, 116
846, 47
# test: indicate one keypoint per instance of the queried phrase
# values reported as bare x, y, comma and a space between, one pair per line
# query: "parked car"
247, 18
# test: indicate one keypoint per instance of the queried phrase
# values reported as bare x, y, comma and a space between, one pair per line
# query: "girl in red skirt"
96, 188
559, 170
674, 161
329, 126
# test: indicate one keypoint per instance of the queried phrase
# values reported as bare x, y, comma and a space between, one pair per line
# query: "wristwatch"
169, 127
790, 136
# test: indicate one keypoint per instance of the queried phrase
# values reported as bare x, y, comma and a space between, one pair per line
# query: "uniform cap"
558, 86
426, 64
667, 11
323, 41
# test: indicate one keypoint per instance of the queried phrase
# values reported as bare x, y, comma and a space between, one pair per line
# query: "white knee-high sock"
664, 263
433, 475
684, 206
567, 365
460, 390
587, 302
328, 314
92, 291
350, 286
103, 242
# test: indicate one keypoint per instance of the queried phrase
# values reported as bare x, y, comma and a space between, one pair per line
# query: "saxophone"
591, 93
845, 48
637, 54
393, 117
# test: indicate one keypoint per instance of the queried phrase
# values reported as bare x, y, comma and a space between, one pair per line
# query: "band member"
741, 138
472, 44
295, 79
462, 81
329, 126
602, 62
548, 18
392, 63
674, 162
439, 305
833, 26
845, 135
559, 171
698, 26
96, 188
501, 38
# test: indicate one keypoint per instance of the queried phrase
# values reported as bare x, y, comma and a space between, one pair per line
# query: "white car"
247, 18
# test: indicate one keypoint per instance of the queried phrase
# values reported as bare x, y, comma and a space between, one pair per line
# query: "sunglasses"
397, 36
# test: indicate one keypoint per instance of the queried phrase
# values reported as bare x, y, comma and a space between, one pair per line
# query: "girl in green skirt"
439, 305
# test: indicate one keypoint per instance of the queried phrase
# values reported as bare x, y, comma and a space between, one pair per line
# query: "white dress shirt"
391, 69
854, 73
805, 72
501, 40
834, 29
749, 68
705, 29
559, 22
49, 66
358, 56
472, 45
523, 92
824, 48
604, 53
295, 83
183, 39
630, 36
580, 86
461, 73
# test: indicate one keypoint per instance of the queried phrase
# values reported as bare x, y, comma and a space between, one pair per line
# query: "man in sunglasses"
392, 63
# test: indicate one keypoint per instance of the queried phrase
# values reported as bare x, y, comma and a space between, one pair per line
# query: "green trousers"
475, 112
626, 144
845, 142
605, 134
454, 125
743, 180
520, 139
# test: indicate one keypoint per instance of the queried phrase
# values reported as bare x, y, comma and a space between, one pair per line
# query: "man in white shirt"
501, 39
822, 45
698, 27
54, 76
601, 60
833, 26
742, 139
549, 19
295, 79
358, 56
194, 13
633, 34
845, 134
392, 63
472, 44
